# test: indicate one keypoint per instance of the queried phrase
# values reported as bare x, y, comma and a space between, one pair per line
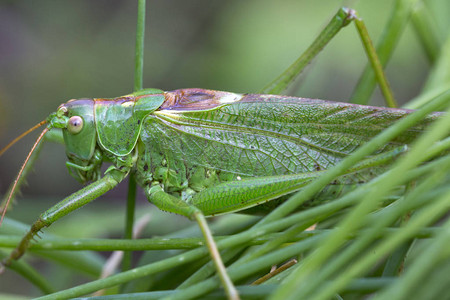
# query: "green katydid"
190, 148
197, 144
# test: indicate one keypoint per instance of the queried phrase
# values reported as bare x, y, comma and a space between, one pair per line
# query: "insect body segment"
119, 121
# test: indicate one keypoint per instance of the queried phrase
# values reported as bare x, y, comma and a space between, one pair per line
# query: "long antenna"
21, 136
24, 163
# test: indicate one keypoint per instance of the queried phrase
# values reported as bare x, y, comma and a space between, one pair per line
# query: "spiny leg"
64, 207
342, 18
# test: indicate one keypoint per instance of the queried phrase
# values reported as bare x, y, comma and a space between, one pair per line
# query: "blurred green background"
53, 51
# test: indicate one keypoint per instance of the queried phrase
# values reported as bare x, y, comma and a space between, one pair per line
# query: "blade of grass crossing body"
309, 191
299, 283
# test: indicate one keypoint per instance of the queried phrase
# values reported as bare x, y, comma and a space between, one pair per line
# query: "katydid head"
76, 119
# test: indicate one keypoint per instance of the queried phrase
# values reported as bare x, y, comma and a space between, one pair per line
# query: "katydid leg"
169, 203
343, 17
66, 206
238, 195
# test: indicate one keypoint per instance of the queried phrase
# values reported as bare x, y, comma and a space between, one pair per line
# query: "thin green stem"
129, 220
138, 85
375, 62
386, 45
280, 84
75, 244
139, 51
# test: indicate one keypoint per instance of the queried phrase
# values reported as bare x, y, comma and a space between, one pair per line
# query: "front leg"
66, 206
167, 202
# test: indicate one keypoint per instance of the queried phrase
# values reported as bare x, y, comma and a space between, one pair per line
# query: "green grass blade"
138, 85
385, 47
280, 84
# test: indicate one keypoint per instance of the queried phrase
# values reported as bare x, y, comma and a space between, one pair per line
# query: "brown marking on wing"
118, 100
193, 99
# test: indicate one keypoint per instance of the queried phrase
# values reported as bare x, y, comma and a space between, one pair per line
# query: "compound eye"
75, 124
